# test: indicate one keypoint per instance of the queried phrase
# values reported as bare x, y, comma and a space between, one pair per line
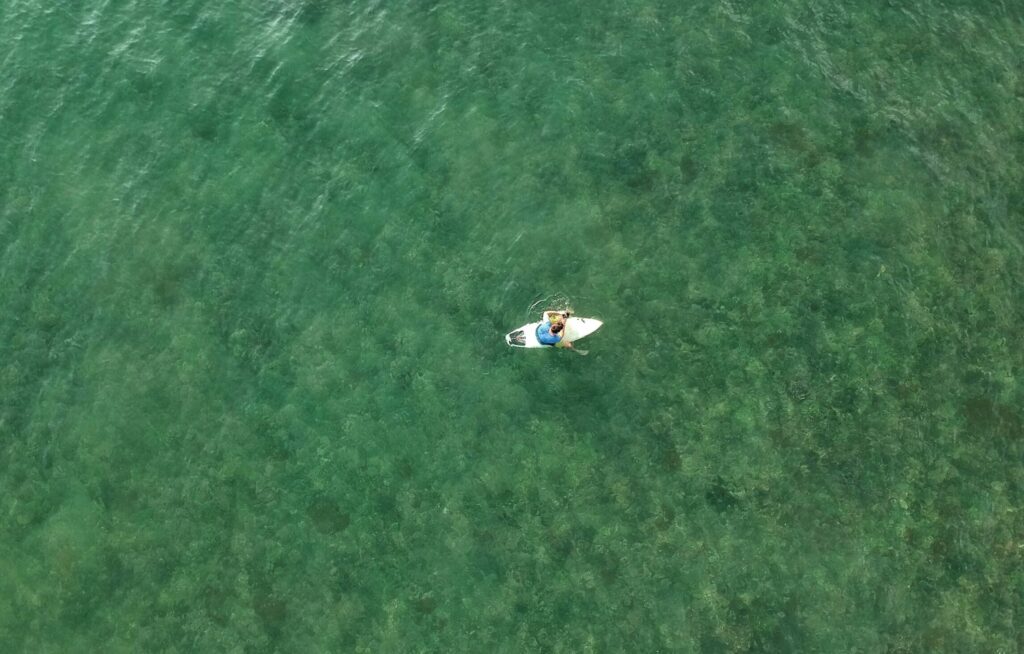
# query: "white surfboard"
575, 329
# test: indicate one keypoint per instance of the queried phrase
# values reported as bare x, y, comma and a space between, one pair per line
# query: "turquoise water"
256, 265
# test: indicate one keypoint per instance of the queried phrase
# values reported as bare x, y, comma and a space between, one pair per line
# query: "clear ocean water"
257, 261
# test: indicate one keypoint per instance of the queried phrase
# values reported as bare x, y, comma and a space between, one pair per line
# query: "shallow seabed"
257, 261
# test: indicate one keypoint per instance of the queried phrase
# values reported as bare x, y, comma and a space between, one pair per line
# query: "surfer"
556, 328
549, 332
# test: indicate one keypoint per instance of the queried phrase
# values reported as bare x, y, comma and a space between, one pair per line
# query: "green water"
257, 261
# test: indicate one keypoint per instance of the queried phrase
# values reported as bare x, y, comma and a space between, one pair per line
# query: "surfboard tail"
516, 338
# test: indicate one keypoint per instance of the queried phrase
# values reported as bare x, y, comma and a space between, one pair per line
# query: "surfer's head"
556, 327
